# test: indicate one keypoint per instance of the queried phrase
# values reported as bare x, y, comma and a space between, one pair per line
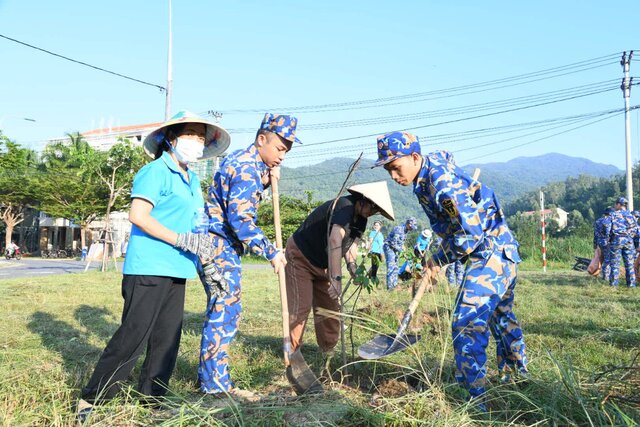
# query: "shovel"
384, 345
298, 372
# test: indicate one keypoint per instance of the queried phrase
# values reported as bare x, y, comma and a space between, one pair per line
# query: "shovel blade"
301, 377
385, 345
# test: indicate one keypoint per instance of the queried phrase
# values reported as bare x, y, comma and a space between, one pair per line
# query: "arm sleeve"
147, 184
244, 197
395, 239
466, 232
607, 231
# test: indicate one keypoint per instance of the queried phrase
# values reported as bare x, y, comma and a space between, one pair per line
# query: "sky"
357, 69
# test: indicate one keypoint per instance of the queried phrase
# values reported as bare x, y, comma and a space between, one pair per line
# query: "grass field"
583, 343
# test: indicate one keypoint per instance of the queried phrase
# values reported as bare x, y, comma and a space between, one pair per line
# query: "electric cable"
162, 88
581, 65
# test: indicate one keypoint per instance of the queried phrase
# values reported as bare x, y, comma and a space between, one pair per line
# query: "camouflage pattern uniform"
393, 247
636, 215
232, 206
455, 273
468, 216
601, 240
623, 235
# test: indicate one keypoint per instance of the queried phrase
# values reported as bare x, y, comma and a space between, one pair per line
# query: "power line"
474, 134
370, 148
558, 71
84, 63
509, 102
459, 120
550, 136
608, 114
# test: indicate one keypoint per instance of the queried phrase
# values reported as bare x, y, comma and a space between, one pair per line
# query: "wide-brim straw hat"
378, 193
217, 139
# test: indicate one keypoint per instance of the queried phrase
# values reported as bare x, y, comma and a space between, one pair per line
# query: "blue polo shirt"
175, 204
378, 241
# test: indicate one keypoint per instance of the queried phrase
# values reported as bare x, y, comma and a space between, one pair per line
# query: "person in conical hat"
314, 265
164, 250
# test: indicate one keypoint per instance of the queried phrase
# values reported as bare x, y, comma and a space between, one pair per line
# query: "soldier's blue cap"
608, 211
636, 214
621, 201
394, 145
412, 223
282, 125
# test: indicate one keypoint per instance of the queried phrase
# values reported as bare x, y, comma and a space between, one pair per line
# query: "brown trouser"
308, 286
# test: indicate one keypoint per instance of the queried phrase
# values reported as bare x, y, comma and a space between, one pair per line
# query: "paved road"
30, 267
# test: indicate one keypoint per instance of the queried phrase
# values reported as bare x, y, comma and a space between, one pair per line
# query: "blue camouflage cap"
282, 125
412, 223
636, 214
621, 201
608, 211
394, 145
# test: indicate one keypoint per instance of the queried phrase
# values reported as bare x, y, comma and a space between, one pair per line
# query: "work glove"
200, 244
214, 282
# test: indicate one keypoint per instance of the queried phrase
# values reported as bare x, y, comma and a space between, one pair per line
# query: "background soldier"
623, 234
394, 246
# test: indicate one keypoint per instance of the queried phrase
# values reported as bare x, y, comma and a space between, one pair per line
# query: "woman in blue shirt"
163, 252
376, 240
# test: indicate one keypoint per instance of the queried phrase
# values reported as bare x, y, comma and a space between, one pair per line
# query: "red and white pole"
544, 242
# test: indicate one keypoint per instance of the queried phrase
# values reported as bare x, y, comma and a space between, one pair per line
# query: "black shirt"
311, 236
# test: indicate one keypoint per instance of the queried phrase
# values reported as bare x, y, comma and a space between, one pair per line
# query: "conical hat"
378, 193
217, 138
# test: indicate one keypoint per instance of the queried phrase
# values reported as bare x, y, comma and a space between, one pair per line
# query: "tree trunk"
11, 216
108, 236
9, 232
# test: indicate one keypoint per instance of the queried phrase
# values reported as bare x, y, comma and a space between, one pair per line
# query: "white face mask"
188, 150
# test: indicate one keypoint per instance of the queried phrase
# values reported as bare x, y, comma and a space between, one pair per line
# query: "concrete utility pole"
626, 92
167, 105
544, 237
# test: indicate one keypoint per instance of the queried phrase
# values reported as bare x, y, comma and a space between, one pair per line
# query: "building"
560, 216
59, 233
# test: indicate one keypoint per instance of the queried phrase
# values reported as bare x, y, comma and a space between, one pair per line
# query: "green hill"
509, 180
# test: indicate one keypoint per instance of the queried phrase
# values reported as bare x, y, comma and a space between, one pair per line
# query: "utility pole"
544, 239
626, 93
167, 105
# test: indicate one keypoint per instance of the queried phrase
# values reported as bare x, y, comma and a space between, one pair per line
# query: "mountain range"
508, 179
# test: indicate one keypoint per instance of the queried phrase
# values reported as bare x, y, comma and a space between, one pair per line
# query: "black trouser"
151, 317
375, 263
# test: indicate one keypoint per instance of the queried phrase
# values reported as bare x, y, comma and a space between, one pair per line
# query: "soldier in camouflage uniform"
601, 240
233, 202
636, 215
623, 235
468, 216
393, 247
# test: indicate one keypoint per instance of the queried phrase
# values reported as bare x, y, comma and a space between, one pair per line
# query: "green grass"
583, 343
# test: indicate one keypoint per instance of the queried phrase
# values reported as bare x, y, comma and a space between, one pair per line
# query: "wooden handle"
408, 315
275, 199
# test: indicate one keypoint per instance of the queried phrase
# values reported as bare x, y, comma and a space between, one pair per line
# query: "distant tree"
115, 169
17, 177
68, 187
293, 212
